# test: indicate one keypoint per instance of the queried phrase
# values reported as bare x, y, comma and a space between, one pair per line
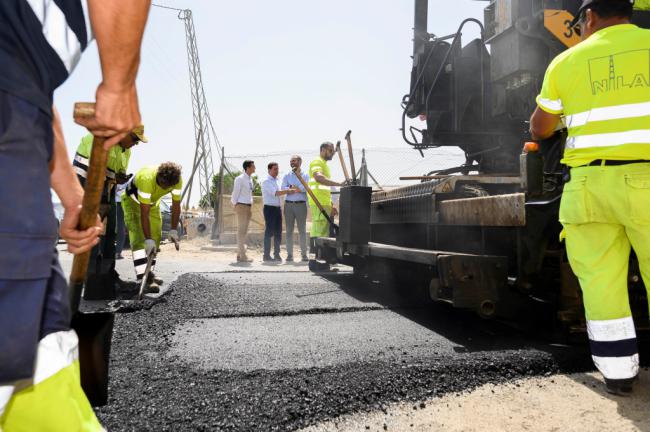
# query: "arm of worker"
320, 178
176, 212
543, 124
145, 209
550, 107
118, 26
66, 185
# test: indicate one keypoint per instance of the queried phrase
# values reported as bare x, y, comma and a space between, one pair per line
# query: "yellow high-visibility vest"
323, 193
602, 88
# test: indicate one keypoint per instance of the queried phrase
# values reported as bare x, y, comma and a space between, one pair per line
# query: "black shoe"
620, 387
267, 258
277, 258
153, 279
118, 256
305, 258
289, 258
152, 288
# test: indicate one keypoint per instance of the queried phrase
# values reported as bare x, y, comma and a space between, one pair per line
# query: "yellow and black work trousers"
136, 234
605, 211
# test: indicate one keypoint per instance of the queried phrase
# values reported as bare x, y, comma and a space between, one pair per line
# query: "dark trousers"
33, 290
121, 230
101, 279
273, 221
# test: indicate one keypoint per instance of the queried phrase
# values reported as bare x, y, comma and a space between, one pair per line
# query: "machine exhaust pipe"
420, 33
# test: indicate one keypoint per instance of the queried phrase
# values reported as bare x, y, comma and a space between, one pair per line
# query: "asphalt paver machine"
482, 236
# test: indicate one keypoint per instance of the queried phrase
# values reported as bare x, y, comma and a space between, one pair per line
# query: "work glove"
173, 236
149, 246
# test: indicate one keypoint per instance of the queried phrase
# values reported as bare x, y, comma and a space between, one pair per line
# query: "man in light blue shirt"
271, 193
295, 208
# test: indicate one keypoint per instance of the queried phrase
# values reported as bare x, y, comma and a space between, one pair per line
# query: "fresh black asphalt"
280, 351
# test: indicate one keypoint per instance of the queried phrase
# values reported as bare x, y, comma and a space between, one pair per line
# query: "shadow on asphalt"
467, 330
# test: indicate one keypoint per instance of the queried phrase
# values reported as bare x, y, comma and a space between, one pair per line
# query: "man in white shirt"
295, 208
242, 201
271, 193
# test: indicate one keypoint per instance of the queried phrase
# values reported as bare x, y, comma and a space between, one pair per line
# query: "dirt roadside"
557, 403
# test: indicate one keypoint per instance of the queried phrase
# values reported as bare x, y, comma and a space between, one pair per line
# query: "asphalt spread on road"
159, 384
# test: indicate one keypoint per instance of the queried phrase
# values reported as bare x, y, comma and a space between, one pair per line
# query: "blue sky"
278, 76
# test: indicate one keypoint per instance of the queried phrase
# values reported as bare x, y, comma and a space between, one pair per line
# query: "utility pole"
203, 148
204, 135
218, 201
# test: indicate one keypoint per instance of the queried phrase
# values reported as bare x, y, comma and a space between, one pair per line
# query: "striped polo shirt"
41, 42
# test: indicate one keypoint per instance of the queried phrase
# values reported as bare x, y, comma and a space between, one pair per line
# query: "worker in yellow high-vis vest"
141, 205
102, 278
321, 185
602, 89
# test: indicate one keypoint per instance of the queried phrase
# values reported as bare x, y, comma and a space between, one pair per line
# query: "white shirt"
269, 188
119, 190
242, 190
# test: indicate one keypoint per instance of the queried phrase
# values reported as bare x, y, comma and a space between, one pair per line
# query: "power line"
166, 7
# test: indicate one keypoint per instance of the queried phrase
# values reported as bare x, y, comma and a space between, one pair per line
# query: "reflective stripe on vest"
54, 399
80, 166
608, 117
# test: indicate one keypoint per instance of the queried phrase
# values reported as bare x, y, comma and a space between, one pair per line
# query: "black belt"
249, 205
600, 162
295, 202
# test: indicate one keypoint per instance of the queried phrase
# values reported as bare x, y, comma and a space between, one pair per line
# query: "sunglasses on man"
577, 27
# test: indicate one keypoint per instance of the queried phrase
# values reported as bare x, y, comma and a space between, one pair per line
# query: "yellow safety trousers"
134, 223
320, 227
57, 404
605, 210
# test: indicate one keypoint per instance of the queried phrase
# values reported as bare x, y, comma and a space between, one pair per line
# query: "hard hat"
139, 132
587, 3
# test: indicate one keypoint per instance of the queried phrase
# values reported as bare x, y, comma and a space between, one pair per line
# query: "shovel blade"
95, 331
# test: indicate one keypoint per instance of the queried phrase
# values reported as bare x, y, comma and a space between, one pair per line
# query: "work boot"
620, 387
153, 279
152, 288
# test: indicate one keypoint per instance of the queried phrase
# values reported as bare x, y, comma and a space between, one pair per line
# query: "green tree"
228, 182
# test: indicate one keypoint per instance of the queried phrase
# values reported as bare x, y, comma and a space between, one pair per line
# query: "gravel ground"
567, 403
153, 389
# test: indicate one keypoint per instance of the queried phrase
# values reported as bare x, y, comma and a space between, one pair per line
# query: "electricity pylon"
205, 137
202, 124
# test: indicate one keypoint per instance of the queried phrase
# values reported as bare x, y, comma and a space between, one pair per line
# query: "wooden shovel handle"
313, 196
343, 165
92, 191
348, 138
